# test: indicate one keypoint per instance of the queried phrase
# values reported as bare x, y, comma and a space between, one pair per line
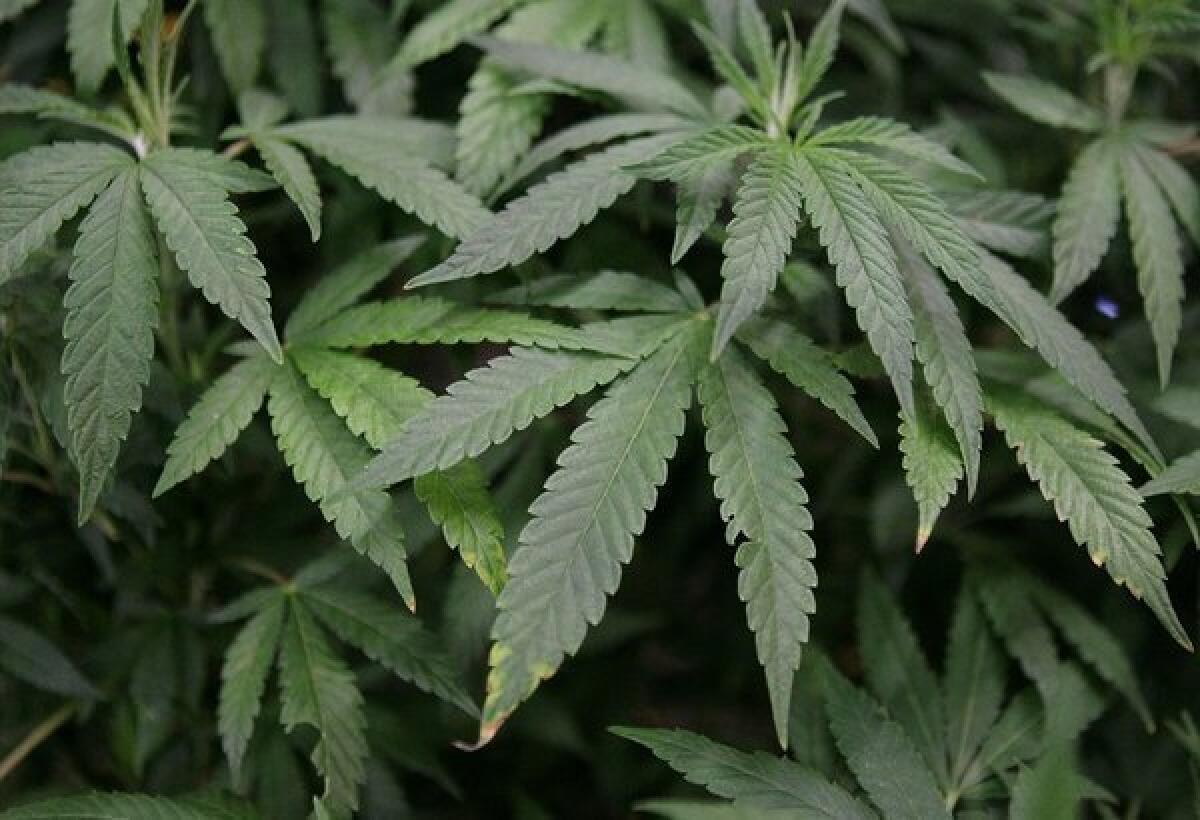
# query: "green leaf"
866, 265
1176, 184
1182, 476
292, 171
1088, 213
294, 58
1044, 102
231, 175
642, 85
880, 132
458, 501
30, 657
324, 456
1047, 790
10, 9
239, 37
317, 689
361, 41
700, 197
548, 212
216, 420
449, 25
758, 481
749, 779
44, 187
974, 685
818, 56
755, 35
932, 467
392, 638
899, 674
21, 99
1157, 255
90, 36
388, 158
1005, 221
766, 213
605, 290
348, 283
109, 330
808, 367
209, 242
584, 523
716, 146
1094, 496
881, 756
244, 679
102, 806
945, 355
487, 407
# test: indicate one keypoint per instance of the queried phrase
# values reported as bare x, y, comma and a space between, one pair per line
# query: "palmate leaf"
605, 290
881, 756
112, 806
1044, 102
392, 638
1088, 213
216, 420
209, 242
1094, 496
548, 212
766, 213
90, 36
1157, 255
318, 689
1182, 476
584, 523
239, 38
325, 456
109, 330
389, 158
865, 262
749, 779
459, 503
807, 366
487, 407
44, 187
244, 679
758, 481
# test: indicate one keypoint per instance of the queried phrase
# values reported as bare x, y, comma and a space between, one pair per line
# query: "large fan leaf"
109, 329
584, 523
758, 481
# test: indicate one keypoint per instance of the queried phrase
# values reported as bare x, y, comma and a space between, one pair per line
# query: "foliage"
432, 243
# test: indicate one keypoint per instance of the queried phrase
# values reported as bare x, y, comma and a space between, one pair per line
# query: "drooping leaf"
1044, 102
459, 502
292, 171
584, 523
700, 197
210, 244
1006, 221
244, 679
1181, 476
932, 467
109, 330
1088, 213
22, 99
758, 481
605, 290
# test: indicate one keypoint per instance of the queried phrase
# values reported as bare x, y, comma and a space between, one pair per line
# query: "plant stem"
35, 738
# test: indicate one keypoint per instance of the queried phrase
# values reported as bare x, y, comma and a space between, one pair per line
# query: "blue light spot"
1107, 307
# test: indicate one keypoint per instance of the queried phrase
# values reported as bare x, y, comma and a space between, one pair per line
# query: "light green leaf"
459, 502
292, 171
818, 56
1006, 221
548, 212
324, 457
231, 175
1044, 102
112, 309
1176, 184
239, 37
10, 9
880, 132
317, 689
1047, 790
700, 197
44, 187
390, 637
584, 523
766, 213
223, 411
758, 481
1182, 476
1157, 254
749, 779
487, 407
361, 41
716, 146
449, 25
90, 36
932, 467
605, 290
22, 99
1088, 213
866, 265
244, 678
209, 242
1094, 496
881, 756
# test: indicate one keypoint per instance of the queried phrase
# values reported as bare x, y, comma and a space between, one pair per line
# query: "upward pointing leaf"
239, 37
974, 684
765, 216
755, 779
89, 36
324, 456
210, 244
318, 690
44, 187
1044, 102
1176, 184
1093, 495
1087, 216
584, 523
244, 677
111, 313
758, 482
818, 56
862, 254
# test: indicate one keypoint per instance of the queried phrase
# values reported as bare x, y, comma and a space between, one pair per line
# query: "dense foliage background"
184, 495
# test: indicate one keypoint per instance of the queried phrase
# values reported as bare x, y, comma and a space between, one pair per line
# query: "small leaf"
459, 502
244, 678
1182, 476
90, 36
605, 290
1088, 213
292, 171
932, 467
30, 657
1044, 102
